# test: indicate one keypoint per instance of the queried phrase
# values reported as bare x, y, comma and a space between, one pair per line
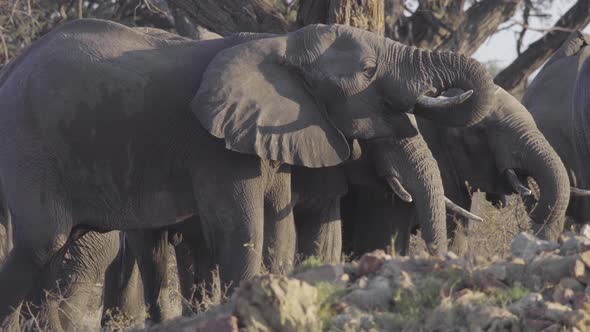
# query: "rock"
491, 318
371, 262
223, 324
527, 246
377, 295
497, 271
527, 303
276, 303
579, 319
324, 273
571, 283
563, 295
565, 291
219, 323
581, 301
574, 244
470, 312
585, 231
451, 255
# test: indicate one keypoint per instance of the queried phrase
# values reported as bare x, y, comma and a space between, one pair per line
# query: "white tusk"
442, 101
579, 192
399, 189
461, 211
516, 184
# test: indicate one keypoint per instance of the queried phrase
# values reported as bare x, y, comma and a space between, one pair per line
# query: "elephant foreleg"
319, 229
279, 224
123, 290
151, 249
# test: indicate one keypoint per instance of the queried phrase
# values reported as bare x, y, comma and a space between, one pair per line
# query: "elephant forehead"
342, 57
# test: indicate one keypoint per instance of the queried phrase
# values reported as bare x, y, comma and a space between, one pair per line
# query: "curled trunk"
543, 164
437, 72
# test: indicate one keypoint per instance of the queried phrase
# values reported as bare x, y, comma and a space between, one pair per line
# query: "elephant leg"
186, 276
375, 217
279, 224
319, 229
33, 249
151, 249
124, 290
403, 221
231, 210
196, 266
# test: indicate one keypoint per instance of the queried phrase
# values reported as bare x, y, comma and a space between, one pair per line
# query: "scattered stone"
574, 244
276, 303
377, 295
527, 246
324, 273
371, 262
543, 286
224, 324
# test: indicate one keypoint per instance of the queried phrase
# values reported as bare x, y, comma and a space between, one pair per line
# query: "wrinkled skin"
71, 295
116, 146
479, 156
550, 100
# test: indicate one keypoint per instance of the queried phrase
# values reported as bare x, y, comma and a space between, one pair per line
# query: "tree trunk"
364, 14
229, 16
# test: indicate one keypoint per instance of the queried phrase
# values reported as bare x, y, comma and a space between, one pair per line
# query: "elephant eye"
369, 67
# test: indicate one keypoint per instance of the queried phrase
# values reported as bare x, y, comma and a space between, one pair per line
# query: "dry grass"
493, 236
489, 238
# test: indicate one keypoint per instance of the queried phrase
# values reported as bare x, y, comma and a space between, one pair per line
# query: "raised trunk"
541, 162
412, 162
442, 71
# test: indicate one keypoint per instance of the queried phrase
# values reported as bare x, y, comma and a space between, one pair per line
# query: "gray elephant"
114, 145
550, 100
492, 156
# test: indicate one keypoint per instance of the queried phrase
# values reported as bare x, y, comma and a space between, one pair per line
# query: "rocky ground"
541, 286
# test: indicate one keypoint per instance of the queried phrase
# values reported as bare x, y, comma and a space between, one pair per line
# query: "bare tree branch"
481, 21
577, 17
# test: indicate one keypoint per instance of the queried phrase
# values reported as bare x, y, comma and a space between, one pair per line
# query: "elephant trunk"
542, 163
417, 170
437, 72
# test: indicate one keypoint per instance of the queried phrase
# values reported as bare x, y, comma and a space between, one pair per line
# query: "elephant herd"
245, 151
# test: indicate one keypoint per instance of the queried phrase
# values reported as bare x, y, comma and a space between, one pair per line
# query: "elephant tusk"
442, 101
515, 183
461, 211
399, 189
579, 192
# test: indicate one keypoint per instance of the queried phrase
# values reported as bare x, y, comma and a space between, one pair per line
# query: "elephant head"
301, 98
496, 153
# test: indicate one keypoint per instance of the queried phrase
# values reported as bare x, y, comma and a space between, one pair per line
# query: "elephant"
145, 132
493, 156
550, 100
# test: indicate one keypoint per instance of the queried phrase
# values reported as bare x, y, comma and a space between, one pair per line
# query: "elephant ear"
251, 98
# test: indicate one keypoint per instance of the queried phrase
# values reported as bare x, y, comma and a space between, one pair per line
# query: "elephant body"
106, 128
550, 100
